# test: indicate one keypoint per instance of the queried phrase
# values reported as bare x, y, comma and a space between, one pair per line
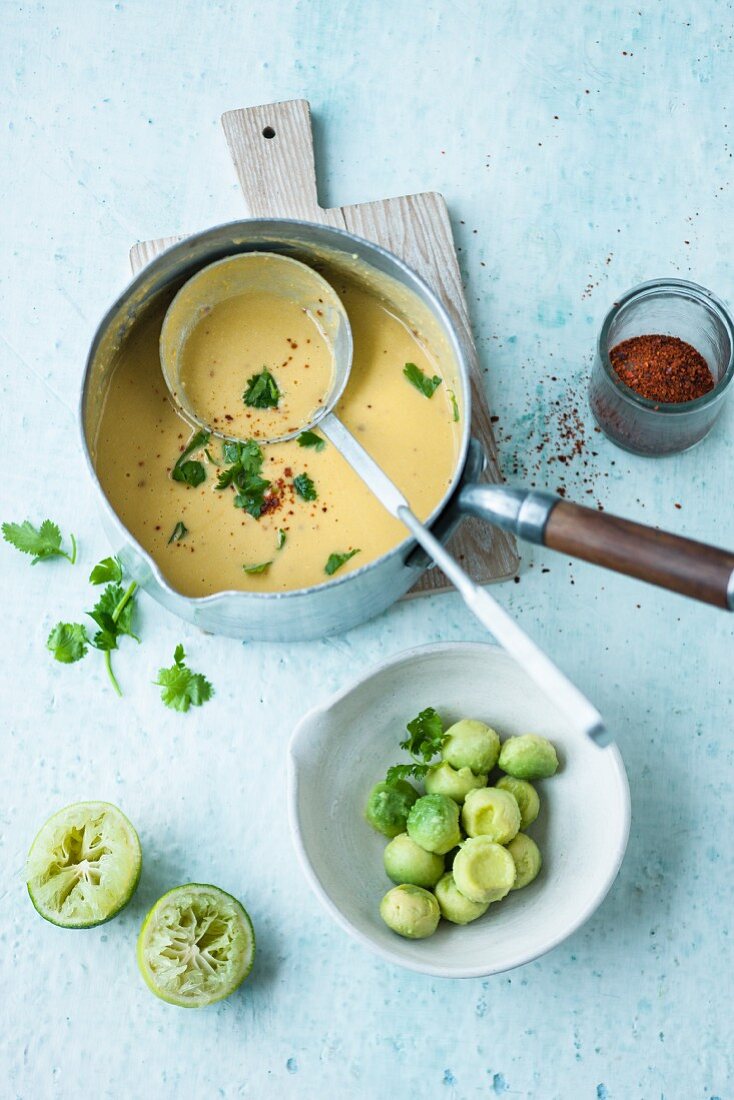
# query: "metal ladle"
271, 272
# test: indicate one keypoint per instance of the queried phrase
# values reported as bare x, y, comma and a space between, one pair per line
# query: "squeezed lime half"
84, 865
197, 944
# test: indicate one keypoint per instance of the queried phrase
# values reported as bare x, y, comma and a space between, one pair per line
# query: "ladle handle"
567, 697
682, 565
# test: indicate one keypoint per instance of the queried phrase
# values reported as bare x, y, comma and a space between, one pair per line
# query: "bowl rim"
518, 958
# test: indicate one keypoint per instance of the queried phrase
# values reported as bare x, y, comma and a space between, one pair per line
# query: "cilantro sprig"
243, 473
112, 614
179, 531
424, 741
68, 642
42, 542
310, 439
262, 391
261, 567
336, 561
191, 471
305, 487
418, 378
182, 688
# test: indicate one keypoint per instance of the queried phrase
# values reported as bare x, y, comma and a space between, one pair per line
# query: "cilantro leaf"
262, 391
405, 771
42, 542
179, 531
336, 561
424, 740
243, 474
305, 487
182, 688
454, 406
113, 613
310, 439
259, 568
68, 642
188, 470
425, 735
109, 569
425, 385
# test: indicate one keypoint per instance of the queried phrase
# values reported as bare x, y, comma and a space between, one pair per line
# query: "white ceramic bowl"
339, 750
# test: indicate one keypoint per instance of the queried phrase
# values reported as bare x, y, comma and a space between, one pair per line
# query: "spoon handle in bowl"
536, 663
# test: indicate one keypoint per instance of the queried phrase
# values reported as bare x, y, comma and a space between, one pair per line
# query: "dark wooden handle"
691, 568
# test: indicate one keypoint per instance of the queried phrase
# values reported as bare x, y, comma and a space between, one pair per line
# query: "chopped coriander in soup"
287, 515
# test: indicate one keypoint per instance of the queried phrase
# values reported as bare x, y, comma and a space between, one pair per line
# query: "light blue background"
110, 133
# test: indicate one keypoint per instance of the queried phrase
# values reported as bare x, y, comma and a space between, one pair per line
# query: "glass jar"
670, 307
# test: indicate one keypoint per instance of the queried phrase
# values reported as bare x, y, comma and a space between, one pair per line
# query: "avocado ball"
410, 911
492, 813
406, 862
526, 797
528, 757
528, 861
433, 823
388, 806
484, 871
471, 744
453, 905
455, 782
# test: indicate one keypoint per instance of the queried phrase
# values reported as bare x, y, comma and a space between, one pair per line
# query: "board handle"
682, 565
272, 149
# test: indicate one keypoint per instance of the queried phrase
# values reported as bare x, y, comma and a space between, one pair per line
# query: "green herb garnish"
183, 688
427, 386
310, 439
305, 487
178, 532
336, 561
243, 474
262, 391
281, 540
109, 569
43, 542
424, 741
259, 568
68, 642
189, 470
112, 614
454, 406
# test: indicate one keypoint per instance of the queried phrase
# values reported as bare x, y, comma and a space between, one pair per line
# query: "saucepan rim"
413, 281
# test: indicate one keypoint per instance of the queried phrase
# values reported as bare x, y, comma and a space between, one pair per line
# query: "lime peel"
196, 946
84, 865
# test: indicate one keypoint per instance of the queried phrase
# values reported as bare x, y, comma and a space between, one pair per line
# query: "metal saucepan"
682, 565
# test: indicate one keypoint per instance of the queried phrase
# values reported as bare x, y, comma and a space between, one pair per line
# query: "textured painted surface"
110, 133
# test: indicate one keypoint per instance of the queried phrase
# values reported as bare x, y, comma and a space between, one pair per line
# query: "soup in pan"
288, 515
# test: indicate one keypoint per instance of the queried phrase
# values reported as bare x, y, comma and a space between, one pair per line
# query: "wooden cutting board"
272, 149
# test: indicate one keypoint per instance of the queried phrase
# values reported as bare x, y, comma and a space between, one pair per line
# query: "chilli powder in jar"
661, 368
664, 360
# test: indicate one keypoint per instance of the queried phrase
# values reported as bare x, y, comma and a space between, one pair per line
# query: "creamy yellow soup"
256, 366
141, 436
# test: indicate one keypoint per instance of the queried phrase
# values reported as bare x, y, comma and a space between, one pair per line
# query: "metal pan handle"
682, 565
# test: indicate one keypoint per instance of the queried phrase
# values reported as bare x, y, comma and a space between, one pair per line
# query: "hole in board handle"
268, 132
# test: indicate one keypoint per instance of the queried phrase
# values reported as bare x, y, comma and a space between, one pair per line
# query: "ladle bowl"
261, 273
